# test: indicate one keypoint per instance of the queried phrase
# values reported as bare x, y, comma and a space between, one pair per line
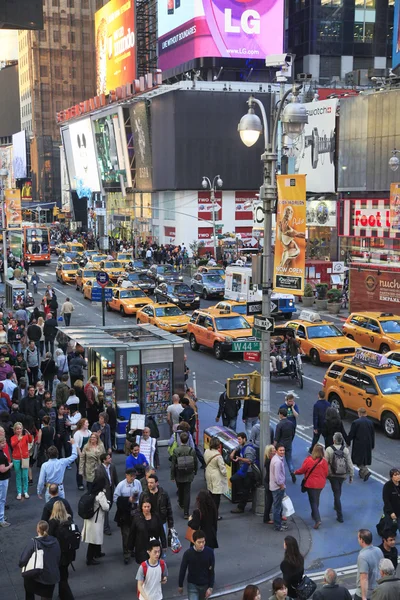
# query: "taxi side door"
78, 279
358, 329
87, 290
349, 389
373, 335
369, 396
114, 303
147, 315
199, 330
209, 332
302, 337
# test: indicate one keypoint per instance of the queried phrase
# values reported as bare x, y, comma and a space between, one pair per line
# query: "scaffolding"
146, 35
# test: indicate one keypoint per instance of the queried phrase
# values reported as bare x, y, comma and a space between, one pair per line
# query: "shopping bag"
60, 318
287, 507
34, 566
176, 545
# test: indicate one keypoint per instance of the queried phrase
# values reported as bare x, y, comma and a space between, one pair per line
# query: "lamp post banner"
395, 207
290, 241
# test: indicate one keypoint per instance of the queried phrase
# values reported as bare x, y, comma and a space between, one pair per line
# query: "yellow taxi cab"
367, 380
60, 248
96, 259
89, 285
321, 340
125, 258
66, 272
82, 275
114, 268
75, 247
375, 330
215, 270
217, 330
233, 306
128, 300
164, 315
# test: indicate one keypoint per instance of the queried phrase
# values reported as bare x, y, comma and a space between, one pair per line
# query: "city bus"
36, 244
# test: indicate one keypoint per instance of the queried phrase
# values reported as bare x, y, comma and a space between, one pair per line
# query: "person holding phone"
20, 458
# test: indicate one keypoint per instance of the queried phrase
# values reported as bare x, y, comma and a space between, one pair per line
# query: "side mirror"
370, 390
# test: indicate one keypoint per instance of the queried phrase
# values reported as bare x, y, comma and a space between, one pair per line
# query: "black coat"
292, 576
209, 528
362, 435
332, 592
51, 559
391, 498
50, 329
330, 428
142, 531
110, 487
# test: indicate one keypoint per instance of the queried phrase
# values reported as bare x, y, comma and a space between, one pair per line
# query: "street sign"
264, 323
273, 307
237, 388
252, 356
252, 346
102, 278
254, 308
97, 294
256, 333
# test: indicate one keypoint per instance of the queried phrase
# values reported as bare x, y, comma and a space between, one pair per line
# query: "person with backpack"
183, 470
150, 579
92, 508
315, 471
246, 454
340, 466
62, 527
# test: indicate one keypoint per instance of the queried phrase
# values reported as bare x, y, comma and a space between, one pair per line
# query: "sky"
8, 44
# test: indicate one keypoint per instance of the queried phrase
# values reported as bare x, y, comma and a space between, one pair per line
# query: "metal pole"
213, 212
103, 305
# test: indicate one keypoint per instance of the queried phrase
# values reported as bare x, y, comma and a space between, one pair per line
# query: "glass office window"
329, 31
364, 32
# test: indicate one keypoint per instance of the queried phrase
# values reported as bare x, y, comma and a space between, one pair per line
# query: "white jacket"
92, 532
216, 477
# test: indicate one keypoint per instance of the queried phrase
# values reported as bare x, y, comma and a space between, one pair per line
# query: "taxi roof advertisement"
218, 28
115, 45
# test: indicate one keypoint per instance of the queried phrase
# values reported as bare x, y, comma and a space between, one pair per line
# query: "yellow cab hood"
335, 342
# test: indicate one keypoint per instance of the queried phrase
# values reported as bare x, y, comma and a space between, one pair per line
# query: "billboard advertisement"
112, 149
218, 28
290, 241
19, 155
13, 209
321, 213
316, 147
366, 218
396, 36
244, 202
85, 177
115, 45
395, 207
376, 288
205, 206
140, 124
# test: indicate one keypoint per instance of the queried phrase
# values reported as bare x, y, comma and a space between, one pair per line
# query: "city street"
256, 554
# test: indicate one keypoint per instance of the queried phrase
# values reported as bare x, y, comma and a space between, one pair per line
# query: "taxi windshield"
389, 383
239, 308
124, 256
109, 264
70, 255
96, 258
89, 273
228, 323
213, 278
391, 326
169, 311
76, 247
70, 267
133, 294
212, 271
323, 331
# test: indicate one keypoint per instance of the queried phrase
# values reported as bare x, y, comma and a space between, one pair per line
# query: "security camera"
278, 60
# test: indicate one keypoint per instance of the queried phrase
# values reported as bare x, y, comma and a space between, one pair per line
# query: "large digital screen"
218, 28
19, 155
112, 149
21, 14
115, 45
86, 177
396, 36
140, 123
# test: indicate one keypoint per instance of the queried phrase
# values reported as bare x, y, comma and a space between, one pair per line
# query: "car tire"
338, 404
218, 352
205, 294
108, 307
314, 357
390, 425
384, 349
193, 344
122, 312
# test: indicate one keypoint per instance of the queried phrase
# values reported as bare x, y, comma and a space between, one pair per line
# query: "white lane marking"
339, 571
64, 294
311, 379
219, 383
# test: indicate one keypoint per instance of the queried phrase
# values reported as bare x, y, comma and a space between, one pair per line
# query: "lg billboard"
218, 28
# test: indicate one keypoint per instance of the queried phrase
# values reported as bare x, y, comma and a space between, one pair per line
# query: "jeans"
21, 477
106, 527
49, 343
336, 485
33, 375
289, 462
64, 591
277, 496
125, 533
3, 497
67, 319
228, 422
268, 501
62, 442
196, 592
250, 421
245, 484
313, 497
184, 496
61, 492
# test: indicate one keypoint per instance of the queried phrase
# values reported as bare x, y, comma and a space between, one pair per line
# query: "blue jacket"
319, 410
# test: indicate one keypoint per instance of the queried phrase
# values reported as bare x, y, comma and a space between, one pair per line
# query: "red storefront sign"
169, 231
205, 206
246, 233
366, 218
242, 213
205, 234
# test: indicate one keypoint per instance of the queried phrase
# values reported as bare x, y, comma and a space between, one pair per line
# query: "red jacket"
317, 479
20, 447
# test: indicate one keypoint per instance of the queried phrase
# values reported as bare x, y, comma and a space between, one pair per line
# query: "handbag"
287, 507
35, 564
25, 463
303, 483
306, 588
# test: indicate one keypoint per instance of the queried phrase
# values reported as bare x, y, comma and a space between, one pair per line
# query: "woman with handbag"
89, 459
20, 458
292, 566
315, 470
39, 561
93, 529
59, 526
216, 475
270, 451
145, 525
204, 517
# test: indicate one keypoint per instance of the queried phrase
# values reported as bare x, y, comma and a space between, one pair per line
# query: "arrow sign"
273, 307
264, 323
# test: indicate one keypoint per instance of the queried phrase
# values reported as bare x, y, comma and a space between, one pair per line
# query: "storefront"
374, 287
322, 239
135, 364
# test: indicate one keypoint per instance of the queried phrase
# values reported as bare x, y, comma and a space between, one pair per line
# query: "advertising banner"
169, 232
205, 235
242, 213
290, 242
321, 213
140, 123
366, 218
316, 147
115, 45
19, 155
377, 289
396, 36
86, 176
13, 209
219, 28
112, 150
26, 192
395, 207
205, 206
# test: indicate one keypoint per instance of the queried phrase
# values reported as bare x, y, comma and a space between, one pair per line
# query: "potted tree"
308, 296
334, 301
321, 300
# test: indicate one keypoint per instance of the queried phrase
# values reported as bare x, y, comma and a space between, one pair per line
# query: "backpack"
145, 567
70, 539
339, 463
86, 506
185, 464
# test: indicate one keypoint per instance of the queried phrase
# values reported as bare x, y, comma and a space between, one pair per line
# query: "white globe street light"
394, 162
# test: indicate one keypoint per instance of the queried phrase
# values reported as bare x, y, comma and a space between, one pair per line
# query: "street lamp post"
293, 117
3, 177
394, 162
216, 183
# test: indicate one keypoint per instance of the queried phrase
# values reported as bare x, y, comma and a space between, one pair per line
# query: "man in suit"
362, 437
107, 469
